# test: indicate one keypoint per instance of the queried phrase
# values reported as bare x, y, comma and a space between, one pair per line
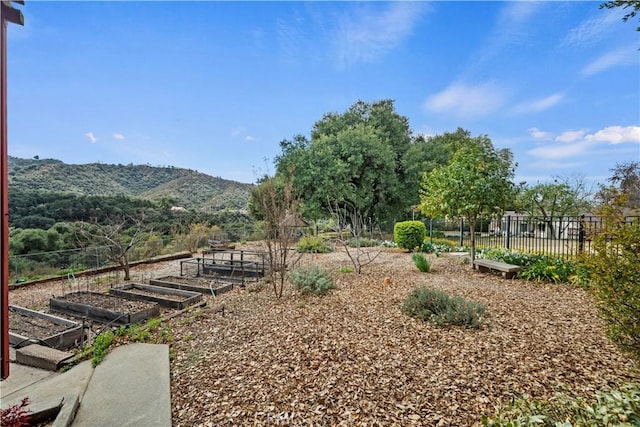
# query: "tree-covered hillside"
169, 185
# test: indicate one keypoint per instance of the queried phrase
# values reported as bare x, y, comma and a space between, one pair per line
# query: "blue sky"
215, 86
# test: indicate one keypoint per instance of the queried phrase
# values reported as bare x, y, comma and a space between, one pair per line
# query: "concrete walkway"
131, 387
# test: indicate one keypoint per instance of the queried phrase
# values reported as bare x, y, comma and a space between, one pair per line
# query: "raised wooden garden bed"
33, 327
202, 286
104, 308
165, 296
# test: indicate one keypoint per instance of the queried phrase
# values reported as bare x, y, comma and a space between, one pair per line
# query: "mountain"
180, 187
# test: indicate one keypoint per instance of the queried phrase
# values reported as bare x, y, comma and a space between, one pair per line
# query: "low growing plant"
547, 269
423, 264
312, 279
363, 242
345, 270
313, 244
16, 415
100, 347
619, 407
444, 310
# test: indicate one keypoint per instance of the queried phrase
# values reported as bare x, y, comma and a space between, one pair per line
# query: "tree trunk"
473, 242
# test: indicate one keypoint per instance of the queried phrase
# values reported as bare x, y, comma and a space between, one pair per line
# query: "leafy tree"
625, 181
476, 181
634, 4
355, 158
426, 153
552, 201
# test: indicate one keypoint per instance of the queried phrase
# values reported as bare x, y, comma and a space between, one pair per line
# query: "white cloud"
537, 105
238, 131
364, 35
118, 136
616, 135
249, 138
538, 134
465, 101
570, 135
560, 151
592, 29
91, 137
626, 55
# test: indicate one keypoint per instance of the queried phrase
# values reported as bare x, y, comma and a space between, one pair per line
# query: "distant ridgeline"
45, 192
169, 185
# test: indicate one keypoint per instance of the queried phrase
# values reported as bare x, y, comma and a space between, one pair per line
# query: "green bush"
547, 269
313, 244
363, 242
421, 262
510, 256
615, 278
443, 310
611, 408
431, 247
312, 279
409, 234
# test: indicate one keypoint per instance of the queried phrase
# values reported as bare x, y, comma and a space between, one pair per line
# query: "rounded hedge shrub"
409, 234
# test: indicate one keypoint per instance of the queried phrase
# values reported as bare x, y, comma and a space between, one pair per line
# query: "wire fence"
35, 266
562, 236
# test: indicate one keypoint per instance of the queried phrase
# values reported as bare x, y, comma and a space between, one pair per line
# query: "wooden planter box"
104, 308
217, 288
72, 335
166, 297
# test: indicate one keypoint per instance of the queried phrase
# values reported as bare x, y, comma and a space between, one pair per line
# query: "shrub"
443, 310
16, 415
312, 279
421, 262
409, 234
550, 270
611, 408
615, 278
510, 257
363, 242
313, 244
437, 248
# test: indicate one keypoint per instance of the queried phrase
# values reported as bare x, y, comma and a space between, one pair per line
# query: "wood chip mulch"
353, 358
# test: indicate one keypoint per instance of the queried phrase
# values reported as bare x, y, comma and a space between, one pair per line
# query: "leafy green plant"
100, 347
510, 257
547, 269
313, 244
363, 242
444, 310
615, 277
434, 247
312, 279
409, 234
619, 407
345, 270
423, 264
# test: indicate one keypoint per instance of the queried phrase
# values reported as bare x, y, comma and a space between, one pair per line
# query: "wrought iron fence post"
431, 230
508, 231
581, 233
461, 231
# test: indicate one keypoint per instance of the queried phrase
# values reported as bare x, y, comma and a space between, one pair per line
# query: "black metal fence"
564, 237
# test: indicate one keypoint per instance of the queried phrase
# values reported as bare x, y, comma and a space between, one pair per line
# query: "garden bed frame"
100, 314
68, 338
161, 295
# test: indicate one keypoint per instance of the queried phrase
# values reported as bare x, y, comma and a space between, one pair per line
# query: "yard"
353, 358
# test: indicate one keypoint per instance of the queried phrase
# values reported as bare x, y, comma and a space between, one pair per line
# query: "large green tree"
624, 4
476, 181
352, 159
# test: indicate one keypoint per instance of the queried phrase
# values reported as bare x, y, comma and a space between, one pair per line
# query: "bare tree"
119, 236
351, 227
278, 207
